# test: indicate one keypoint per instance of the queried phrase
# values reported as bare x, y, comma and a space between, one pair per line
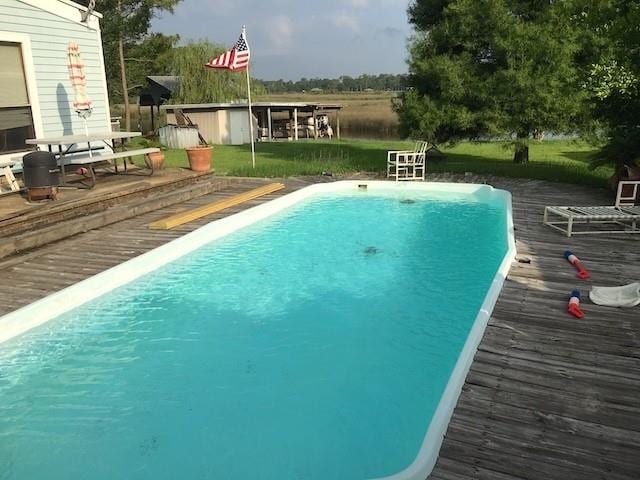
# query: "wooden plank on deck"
206, 210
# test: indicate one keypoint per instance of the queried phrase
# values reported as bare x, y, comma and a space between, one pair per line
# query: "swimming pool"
324, 335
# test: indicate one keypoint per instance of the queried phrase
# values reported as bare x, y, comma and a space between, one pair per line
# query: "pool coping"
427, 457
41, 311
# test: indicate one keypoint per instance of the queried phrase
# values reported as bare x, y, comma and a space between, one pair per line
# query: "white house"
36, 97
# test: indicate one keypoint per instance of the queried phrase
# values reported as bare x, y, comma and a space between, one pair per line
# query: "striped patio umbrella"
81, 102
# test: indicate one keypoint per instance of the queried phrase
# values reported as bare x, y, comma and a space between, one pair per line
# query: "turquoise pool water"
312, 345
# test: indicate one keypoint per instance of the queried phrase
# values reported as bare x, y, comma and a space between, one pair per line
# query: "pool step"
191, 215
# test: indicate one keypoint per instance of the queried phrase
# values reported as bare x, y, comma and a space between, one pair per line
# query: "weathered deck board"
548, 396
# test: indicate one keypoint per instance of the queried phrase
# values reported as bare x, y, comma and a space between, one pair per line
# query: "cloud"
390, 32
292, 38
375, 3
213, 7
279, 32
346, 21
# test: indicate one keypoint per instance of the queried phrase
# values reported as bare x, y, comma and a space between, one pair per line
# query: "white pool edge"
427, 457
41, 311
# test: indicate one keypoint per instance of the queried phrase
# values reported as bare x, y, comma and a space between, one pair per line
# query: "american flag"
236, 59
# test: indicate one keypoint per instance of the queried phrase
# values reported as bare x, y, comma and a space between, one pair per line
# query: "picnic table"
70, 150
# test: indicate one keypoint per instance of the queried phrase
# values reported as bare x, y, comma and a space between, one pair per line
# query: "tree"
200, 85
151, 56
490, 68
125, 25
610, 59
344, 83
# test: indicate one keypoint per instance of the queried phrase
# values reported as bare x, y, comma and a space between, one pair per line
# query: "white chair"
623, 217
629, 202
408, 164
5, 167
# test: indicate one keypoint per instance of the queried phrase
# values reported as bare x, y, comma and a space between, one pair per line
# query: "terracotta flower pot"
155, 161
200, 158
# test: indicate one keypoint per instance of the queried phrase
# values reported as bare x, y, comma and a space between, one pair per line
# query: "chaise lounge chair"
624, 215
407, 164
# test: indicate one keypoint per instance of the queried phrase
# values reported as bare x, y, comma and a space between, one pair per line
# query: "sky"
292, 39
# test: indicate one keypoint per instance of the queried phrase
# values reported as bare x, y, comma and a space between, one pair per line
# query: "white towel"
625, 296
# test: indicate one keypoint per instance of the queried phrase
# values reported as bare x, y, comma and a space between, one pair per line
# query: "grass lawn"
562, 161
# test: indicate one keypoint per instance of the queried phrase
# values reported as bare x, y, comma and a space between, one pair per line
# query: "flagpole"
253, 147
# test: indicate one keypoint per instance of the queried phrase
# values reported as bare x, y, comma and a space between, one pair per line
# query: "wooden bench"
96, 159
86, 159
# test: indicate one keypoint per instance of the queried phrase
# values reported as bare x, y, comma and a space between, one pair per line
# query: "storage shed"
36, 97
228, 123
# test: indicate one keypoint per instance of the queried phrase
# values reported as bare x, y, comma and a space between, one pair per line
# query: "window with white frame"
16, 119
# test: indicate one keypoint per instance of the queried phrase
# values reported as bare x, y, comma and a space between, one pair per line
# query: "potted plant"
200, 158
155, 160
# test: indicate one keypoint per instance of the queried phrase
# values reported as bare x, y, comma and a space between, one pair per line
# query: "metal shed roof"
273, 105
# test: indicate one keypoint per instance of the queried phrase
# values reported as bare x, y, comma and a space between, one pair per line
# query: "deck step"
191, 215
39, 216
50, 233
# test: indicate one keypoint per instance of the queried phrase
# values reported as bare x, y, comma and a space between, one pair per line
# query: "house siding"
50, 35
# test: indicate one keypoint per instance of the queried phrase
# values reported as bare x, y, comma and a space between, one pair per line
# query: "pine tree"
491, 68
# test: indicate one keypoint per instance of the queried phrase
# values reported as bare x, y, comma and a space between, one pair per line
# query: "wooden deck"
106, 183
548, 396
